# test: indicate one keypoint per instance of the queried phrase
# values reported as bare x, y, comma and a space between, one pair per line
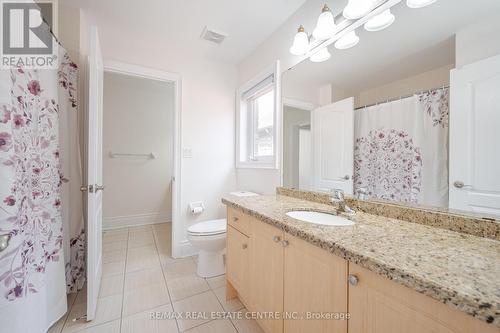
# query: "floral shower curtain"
401, 149
40, 201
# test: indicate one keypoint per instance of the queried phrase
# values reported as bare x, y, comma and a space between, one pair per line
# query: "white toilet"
209, 237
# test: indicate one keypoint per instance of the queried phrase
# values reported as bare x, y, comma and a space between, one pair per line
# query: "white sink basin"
320, 218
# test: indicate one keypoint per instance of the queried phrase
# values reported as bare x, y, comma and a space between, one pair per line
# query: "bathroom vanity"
438, 273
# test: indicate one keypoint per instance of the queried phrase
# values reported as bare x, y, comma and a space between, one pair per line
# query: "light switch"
187, 152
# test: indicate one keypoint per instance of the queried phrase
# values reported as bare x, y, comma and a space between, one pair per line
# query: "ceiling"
418, 41
177, 24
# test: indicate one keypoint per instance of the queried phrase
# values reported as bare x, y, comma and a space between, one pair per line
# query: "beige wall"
69, 30
138, 118
427, 80
478, 41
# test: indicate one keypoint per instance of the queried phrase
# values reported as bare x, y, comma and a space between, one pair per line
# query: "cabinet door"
237, 256
315, 283
378, 305
266, 274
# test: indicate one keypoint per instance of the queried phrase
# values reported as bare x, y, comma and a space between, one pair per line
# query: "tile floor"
140, 277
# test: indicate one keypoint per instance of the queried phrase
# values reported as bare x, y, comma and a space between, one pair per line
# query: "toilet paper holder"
196, 207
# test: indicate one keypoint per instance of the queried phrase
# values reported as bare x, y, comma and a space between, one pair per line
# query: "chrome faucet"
362, 193
338, 198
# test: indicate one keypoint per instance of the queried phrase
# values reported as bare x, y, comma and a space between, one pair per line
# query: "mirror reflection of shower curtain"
40, 201
401, 149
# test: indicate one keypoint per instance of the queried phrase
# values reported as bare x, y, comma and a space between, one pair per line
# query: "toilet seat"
208, 228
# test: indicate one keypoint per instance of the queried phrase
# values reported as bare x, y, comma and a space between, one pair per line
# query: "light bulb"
325, 28
347, 41
419, 3
321, 55
300, 44
356, 9
381, 21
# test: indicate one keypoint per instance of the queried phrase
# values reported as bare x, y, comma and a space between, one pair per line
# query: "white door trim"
160, 75
295, 103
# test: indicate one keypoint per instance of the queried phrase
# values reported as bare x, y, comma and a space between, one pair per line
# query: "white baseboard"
187, 250
135, 220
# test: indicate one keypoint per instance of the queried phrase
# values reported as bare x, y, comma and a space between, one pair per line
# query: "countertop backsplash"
463, 222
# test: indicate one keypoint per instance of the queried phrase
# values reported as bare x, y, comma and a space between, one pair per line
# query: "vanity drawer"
238, 220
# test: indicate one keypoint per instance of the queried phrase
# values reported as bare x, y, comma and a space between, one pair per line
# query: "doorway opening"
141, 140
297, 146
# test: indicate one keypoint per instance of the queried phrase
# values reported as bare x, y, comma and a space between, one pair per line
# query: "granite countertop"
457, 269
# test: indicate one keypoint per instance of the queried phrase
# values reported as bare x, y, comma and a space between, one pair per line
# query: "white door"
475, 137
332, 128
94, 174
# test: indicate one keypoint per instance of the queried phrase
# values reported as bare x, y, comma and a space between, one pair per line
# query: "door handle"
89, 188
346, 177
460, 184
99, 188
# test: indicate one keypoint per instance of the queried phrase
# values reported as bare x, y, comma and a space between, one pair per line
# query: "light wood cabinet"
266, 274
237, 261
285, 276
273, 272
378, 305
238, 220
315, 283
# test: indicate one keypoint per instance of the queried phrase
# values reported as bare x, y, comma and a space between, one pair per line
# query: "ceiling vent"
213, 36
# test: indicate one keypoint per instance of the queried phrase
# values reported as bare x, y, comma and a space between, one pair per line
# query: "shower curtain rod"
401, 97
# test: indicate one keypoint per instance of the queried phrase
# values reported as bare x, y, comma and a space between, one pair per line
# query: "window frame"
245, 121
252, 128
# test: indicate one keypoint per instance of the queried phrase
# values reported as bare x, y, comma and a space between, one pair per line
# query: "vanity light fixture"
419, 3
321, 55
381, 21
347, 41
325, 28
300, 44
356, 9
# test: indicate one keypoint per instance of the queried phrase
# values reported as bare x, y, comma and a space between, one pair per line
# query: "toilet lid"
213, 227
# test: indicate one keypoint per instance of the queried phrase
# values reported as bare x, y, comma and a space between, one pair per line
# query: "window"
257, 123
262, 113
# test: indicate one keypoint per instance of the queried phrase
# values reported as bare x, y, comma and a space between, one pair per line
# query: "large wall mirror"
408, 114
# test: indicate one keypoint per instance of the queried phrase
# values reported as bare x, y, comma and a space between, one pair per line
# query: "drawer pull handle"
285, 243
276, 239
244, 246
235, 219
353, 280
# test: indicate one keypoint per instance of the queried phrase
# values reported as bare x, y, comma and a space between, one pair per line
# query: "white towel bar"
151, 155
